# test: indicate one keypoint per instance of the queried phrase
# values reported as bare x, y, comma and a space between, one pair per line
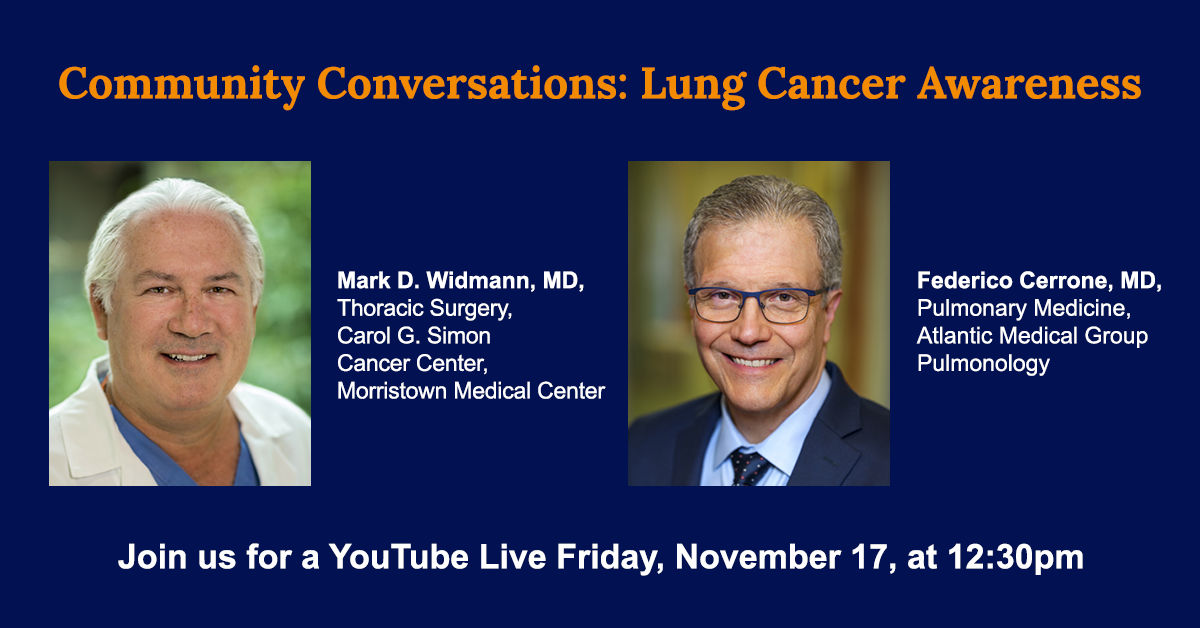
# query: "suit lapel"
691, 442
826, 459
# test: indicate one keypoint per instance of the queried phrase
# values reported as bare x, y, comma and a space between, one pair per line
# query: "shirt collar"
782, 447
167, 472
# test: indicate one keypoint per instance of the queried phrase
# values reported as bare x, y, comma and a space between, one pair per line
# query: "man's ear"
98, 313
833, 299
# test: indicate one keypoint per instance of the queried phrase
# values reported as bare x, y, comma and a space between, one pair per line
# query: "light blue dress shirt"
781, 448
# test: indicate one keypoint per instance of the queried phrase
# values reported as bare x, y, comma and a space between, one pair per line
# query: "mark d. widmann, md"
174, 276
763, 265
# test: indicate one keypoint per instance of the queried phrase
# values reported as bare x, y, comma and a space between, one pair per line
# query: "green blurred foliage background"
276, 195
664, 369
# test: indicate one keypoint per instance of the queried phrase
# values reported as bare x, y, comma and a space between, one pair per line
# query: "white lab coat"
87, 449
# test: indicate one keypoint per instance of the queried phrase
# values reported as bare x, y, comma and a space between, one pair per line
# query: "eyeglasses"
781, 306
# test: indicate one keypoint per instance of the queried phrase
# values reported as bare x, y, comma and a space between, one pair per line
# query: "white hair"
106, 255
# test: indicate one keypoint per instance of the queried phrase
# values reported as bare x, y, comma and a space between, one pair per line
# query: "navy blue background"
1095, 456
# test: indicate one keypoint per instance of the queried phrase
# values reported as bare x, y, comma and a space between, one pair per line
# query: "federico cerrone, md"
763, 266
174, 276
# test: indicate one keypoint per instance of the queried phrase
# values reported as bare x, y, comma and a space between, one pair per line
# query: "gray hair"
760, 196
106, 255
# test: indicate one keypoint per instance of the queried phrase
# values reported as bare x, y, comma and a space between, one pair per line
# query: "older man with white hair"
174, 276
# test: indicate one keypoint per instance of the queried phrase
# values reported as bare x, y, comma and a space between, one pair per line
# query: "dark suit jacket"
849, 443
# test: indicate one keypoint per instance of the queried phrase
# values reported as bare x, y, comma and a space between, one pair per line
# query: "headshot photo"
179, 324
759, 327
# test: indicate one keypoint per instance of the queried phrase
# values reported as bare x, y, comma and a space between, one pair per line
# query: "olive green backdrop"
276, 195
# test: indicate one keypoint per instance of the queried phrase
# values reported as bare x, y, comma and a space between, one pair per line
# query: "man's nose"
751, 326
191, 317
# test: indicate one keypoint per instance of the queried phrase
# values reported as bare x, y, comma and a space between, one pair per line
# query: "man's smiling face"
765, 370
182, 317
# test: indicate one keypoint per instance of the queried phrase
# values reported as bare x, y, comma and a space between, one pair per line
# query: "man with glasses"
763, 265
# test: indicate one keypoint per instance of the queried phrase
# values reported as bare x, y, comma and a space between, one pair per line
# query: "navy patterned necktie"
749, 468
